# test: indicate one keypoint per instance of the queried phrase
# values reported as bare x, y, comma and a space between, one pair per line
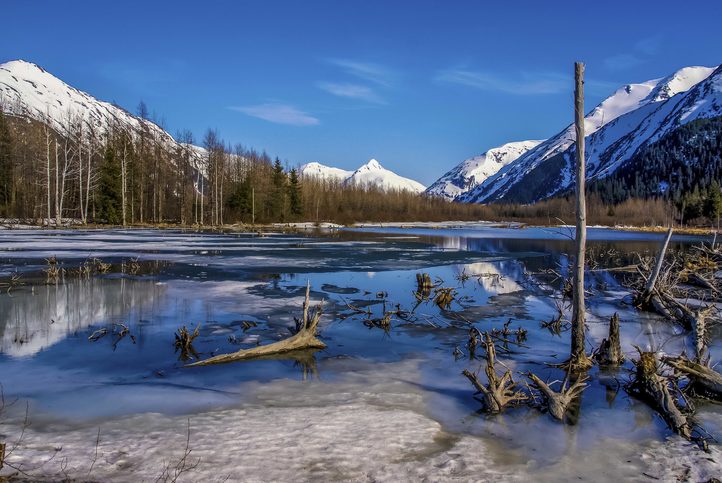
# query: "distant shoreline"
16, 224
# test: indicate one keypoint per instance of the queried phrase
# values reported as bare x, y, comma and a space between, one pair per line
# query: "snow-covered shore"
365, 428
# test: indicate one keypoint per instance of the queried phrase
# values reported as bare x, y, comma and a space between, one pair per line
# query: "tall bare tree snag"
558, 402
304, 338
500, 392
579, 359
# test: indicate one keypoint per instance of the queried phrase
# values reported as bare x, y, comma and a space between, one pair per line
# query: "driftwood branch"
703, 379
558, 402
304, 338
500, 391
653, 388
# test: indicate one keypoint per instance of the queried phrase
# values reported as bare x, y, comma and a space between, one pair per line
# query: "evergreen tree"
277, 200
109, 196
240, 198
713, 202
294, 194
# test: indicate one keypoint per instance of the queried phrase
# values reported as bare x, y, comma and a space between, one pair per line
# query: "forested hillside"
126, 177
683, 167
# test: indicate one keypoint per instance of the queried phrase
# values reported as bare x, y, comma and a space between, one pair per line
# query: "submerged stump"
610, 350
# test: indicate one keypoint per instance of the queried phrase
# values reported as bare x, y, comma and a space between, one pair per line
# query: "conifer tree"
109, 197
294, 194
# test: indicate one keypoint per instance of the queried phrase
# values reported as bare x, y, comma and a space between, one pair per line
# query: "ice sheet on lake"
368, 428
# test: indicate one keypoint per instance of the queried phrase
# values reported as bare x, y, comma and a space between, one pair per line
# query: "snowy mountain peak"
27, 90
373, 174
544, 170
681, 81
370, 174
325, 172
473, 171
371, 165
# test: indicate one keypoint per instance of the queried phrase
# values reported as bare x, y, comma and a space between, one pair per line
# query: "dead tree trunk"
559, 402
500, 392
653, 388
645, 298
705, 381
578, 357
304, 338
610, 350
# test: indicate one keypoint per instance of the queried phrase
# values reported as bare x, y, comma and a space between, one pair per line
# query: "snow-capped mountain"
630, 116
370, 174
373, 174
325, 172
28, 90
473, 171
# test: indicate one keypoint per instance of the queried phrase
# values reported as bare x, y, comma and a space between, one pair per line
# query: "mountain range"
635, 116
370, 174
629, 122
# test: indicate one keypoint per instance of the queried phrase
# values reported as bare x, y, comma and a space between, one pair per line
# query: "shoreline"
307, 225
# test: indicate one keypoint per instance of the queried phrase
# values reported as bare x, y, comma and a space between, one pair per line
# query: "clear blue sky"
419, 85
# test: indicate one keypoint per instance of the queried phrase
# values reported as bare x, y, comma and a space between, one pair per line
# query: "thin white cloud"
650, 45
279, 114
352, 91
367, 71
643, 51
526, 84
622, 61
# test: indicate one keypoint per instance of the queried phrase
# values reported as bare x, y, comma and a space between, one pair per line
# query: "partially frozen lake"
375, 405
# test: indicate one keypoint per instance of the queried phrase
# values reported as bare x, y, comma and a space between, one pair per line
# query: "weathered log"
610, 350
559, 402
500, 392
705, 381
304, 338
653, 388
645, 297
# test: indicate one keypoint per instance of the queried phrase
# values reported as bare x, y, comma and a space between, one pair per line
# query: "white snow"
371, 426
325, 172
474, 171
373, 174
29, 91
370, 174
615, 117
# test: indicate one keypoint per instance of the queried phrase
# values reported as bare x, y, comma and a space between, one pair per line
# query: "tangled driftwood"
500, 392
704, 381
558, 402
654, 389
304, 338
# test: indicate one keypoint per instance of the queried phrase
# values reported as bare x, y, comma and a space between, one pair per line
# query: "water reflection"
34, 318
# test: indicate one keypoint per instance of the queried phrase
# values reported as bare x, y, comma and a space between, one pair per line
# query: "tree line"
137, 176
124, 175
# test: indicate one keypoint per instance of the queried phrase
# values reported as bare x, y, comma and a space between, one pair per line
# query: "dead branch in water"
443, 297
304, 338
653, 388
184, 343
704, 381
558, 402
500, 391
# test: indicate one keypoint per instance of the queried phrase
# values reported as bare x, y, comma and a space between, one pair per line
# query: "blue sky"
419, 85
